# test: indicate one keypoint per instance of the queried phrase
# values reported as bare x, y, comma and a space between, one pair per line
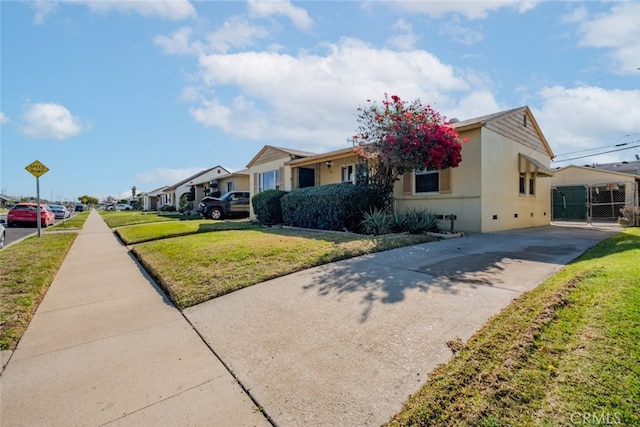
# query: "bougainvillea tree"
398, 137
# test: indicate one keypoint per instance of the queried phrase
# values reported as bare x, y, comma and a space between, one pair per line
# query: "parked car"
3, 235
60, 211
124, 207
26, 213
79, 207
232, 203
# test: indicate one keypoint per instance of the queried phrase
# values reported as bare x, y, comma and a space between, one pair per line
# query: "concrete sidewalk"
107, 347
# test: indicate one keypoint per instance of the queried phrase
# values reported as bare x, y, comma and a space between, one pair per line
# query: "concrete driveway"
347, 343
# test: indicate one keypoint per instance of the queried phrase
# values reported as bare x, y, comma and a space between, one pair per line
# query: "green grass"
74, 223
565, 352
26, 271
193, 269
163, 230
116, 219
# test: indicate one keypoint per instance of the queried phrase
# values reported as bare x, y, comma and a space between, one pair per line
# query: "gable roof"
632, 167
599, 170
192, 177
293, 153
157, 191
331, 155
241, 172
489, 119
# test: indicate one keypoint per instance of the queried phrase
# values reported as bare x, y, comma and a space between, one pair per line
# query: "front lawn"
167, 229
193, 269
26, 271
565, 353
116, 219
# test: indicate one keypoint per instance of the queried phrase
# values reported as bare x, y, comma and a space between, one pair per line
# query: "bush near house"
267, 207
329, 207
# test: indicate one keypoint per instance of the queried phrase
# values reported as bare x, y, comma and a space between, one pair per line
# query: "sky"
111, 94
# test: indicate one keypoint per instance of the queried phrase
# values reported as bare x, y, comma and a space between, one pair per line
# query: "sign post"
37, 169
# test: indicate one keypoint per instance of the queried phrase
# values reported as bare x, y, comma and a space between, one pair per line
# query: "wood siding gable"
520, 126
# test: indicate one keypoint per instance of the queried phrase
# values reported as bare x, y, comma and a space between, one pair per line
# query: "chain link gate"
604, 202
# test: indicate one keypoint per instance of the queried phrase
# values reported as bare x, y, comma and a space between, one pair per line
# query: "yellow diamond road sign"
37, 169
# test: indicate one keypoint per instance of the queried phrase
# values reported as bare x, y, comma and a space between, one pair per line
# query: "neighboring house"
177, 194
320, 169
598, 192
267, 170
152, 200
502, 182
6, 201
232, 181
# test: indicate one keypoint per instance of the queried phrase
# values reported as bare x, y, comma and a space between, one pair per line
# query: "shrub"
377, 222
266, 206
328, 207
420, 221
168, 208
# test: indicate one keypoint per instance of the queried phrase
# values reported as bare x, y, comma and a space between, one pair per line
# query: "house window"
347, 173
269, 180
523, 184
532, 184
229, 186
427, 181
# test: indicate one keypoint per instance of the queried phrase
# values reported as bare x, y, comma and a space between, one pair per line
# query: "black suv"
232, 203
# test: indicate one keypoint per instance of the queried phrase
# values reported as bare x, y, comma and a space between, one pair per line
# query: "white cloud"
4, 118
235, 33
179, 42
618, 31
576, 16
48, 120
311, 100
167, 176
42, 9
587, 117
265, 8
173, 10
461, 32
471, 9
405, 38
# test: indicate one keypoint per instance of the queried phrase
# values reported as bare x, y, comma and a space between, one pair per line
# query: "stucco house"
594, 193
153, 199
502, 183
177, 194
267, 170
224, 183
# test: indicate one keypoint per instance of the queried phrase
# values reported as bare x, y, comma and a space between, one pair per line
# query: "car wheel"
215, 213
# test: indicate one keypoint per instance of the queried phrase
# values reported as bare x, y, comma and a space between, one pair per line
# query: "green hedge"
266, 206
329, 207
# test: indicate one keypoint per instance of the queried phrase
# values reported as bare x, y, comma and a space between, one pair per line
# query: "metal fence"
604, 202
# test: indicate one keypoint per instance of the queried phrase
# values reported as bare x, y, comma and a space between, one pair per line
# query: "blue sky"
112, 94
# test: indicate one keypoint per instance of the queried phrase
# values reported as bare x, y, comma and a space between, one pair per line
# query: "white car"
124, 207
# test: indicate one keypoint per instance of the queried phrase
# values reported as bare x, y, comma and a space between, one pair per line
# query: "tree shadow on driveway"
377, 280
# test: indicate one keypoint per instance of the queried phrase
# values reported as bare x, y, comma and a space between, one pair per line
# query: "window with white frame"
229, 186
427, 181
269, 180
348, 173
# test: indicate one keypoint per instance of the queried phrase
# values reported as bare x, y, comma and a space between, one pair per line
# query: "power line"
597, 154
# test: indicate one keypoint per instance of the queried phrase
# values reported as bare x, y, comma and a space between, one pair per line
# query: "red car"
24, 213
